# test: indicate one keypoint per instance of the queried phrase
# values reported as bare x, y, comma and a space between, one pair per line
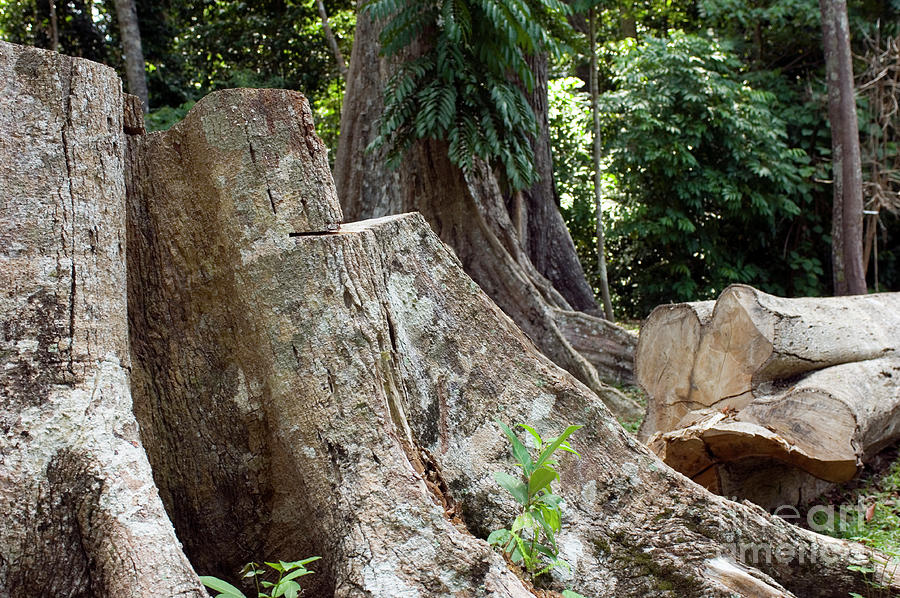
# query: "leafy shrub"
702, 172
286, 584
531, 541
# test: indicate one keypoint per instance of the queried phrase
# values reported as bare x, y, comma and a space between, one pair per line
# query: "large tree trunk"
547, 240
81, 515
126, 11
467, 211
846, 227
299, 390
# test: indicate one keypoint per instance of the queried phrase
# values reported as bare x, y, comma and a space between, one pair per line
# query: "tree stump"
300, 389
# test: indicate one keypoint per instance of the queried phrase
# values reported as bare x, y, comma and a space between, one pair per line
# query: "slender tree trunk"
131, 46
598, 204
54, 27
332, 42
846, 227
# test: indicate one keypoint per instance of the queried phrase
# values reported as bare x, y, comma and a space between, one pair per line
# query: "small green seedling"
531, 541
285, 586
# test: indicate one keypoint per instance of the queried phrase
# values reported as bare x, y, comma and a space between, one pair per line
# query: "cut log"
664, 360
609, 348
827, 424
754, 338
81, 515
688, 360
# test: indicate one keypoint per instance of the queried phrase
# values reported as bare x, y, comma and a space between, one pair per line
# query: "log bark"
299, 390
467, 211
81, 512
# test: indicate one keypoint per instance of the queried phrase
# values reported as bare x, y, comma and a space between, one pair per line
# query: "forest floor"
876, 493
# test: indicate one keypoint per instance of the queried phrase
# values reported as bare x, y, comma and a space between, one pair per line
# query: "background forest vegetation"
715, 135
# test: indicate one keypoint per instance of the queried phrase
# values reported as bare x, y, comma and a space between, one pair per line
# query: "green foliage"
531, 541
163, 118
702, 172
467, 86
285, 585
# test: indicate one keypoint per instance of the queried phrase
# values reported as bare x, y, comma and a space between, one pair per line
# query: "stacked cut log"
767, 398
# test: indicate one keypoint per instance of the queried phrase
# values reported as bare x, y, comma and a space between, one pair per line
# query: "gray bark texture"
81, 512
847, 212
130, 32
468, 212
809, 383
300, 388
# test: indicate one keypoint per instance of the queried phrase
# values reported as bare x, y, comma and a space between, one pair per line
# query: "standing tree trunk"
547, 240
598, 204
467, 211
81, 514
134, 55
332, 42
846, 226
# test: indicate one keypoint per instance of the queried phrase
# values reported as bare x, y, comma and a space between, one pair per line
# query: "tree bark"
846, 227
467, 211
547, 240
134, 55
608, 347
299, 390
81, 513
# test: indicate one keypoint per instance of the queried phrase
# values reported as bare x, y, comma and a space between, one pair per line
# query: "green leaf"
541, 479
556, 443
538, 442
295, 574
221, 586
498, 537
283, 587
518, 449
514, 485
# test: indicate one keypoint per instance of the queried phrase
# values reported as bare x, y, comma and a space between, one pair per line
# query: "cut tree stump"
81, 514
765, 380
300, 390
